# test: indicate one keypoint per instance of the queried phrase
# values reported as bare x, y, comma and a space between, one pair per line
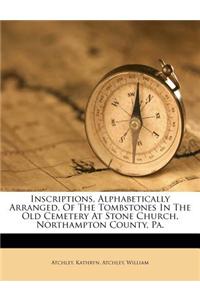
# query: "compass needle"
134, 120
135, 136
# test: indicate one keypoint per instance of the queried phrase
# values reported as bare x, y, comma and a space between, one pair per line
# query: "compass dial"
133, 123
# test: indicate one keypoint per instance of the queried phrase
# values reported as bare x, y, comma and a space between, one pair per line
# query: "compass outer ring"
156, 75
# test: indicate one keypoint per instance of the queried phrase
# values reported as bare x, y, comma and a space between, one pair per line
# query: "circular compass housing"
135, 119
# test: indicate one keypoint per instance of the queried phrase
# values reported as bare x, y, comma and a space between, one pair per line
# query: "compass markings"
120, 121
113, 119
115, 103
125, 111
122, 138
147, 100
155, 134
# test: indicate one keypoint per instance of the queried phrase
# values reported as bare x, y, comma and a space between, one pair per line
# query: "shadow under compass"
190, 145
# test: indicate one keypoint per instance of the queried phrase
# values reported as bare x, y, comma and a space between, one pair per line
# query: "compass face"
133, 123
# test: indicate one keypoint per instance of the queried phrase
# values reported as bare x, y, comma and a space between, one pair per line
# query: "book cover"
106, 188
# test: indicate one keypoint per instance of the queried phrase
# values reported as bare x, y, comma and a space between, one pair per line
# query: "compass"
135, 118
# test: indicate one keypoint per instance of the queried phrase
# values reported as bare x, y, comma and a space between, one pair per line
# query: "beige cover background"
36, 264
